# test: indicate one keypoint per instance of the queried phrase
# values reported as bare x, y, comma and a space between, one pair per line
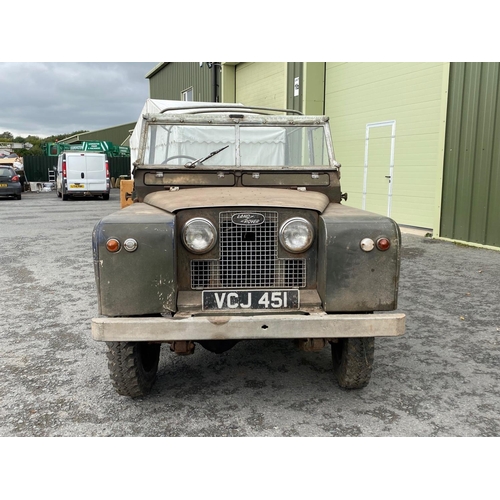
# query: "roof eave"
155, 70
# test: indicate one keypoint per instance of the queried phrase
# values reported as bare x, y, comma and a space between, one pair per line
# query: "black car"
10, 183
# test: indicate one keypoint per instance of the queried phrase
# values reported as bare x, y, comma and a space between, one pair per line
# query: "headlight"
296, 235
199, 235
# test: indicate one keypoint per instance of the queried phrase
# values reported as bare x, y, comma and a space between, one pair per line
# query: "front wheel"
133, 367
353, 361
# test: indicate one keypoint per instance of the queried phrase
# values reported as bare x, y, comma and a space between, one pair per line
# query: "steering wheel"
177, 156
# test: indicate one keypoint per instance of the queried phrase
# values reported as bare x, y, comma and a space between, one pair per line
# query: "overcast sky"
60, 98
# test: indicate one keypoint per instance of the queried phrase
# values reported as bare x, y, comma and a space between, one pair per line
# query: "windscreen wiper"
193, 164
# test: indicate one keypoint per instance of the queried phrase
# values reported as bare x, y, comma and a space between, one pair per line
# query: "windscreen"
236, 145
5, 172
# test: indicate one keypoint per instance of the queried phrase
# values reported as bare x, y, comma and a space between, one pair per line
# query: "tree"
36, 150
37, 142
7, 136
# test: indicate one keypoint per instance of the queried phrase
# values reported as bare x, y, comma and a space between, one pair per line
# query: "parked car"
83, 174
237, 231
10, 183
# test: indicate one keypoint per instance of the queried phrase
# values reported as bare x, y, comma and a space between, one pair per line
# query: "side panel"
59, 181
142, 282
350, 279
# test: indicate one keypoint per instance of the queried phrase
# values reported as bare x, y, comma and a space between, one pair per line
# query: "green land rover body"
237, 231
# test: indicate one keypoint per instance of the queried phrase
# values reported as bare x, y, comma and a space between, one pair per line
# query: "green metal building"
118, 135
418, 141
471, 174
185, 81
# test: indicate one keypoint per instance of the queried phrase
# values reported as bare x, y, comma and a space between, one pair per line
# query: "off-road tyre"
353, 361
133, 367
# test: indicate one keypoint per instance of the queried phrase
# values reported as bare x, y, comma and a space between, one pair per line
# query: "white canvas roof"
157, 105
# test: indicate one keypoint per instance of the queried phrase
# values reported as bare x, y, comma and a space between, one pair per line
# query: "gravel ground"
440, 379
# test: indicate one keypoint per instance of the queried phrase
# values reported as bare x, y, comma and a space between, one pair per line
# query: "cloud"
57, 98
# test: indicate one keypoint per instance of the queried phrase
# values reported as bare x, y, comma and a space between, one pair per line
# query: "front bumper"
278, 326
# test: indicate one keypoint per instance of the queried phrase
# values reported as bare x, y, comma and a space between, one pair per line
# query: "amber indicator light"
113, 245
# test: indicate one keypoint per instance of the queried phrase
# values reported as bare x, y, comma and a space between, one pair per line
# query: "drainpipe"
216, 69
215, 66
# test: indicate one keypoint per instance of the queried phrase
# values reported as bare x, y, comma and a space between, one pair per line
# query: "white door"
76, 169
378, 174
96, 172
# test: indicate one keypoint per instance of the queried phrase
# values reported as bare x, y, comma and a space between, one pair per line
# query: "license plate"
250, 299
76, 186
3, 185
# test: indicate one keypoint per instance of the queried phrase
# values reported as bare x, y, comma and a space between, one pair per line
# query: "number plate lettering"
250, 299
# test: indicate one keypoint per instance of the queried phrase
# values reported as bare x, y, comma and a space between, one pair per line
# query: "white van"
82, 174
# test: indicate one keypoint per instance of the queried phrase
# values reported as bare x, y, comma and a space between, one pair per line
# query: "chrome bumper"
279, 326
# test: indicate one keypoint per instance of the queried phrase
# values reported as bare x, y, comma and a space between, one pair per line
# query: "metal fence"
37, 168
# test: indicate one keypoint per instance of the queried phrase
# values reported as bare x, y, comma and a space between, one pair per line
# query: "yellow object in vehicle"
126, 189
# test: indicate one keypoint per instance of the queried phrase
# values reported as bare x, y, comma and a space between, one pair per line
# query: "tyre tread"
126, 368
353, 361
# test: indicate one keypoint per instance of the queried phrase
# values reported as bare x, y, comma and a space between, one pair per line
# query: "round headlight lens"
296, 235
199, 235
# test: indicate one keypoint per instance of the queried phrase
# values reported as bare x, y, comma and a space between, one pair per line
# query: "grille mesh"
248, 258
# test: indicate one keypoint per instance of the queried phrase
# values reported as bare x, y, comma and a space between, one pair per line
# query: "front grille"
248, 258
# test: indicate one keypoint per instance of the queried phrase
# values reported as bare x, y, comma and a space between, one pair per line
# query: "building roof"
155, 70
117, 134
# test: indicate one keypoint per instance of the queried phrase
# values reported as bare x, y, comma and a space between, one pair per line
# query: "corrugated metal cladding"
387, 127
176, 77
36, 168
117, 135
261, 84
119, 166
471, 178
